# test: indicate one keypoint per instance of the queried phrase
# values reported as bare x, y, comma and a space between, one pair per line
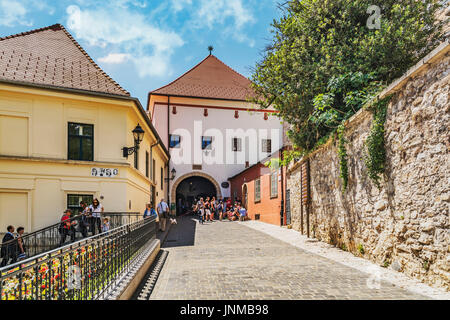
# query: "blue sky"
144, 44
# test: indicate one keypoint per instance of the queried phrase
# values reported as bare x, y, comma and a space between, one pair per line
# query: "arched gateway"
191, 186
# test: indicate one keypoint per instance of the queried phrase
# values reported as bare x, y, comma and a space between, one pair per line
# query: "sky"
145, 44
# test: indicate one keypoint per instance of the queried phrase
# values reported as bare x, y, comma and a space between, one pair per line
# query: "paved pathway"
227, 260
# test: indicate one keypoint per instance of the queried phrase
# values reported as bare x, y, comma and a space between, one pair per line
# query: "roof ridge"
57, 27
194, 67
230, 68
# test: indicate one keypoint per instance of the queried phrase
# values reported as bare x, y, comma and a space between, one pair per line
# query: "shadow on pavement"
181, 234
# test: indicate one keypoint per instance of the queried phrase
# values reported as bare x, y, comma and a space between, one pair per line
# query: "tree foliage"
324, 63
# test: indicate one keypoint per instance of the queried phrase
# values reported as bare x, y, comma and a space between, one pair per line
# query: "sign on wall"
104, 172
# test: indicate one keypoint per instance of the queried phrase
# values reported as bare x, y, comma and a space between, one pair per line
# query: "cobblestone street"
227, 260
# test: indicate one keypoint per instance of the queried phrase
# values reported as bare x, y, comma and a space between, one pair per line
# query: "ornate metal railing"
79, 271
49, 238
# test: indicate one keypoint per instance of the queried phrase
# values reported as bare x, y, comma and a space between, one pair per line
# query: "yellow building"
63, 125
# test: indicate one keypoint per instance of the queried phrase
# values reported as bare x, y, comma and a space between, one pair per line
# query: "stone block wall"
405, 224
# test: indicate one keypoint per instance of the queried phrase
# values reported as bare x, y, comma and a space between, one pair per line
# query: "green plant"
361, 249
426, 265
324, 63
375, 156
344, 247
386, 264
342, 153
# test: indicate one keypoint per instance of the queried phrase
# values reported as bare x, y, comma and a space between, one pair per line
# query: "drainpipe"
168, 140
282, 192
151, 165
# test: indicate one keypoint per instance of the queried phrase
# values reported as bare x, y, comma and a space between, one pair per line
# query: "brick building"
262, 191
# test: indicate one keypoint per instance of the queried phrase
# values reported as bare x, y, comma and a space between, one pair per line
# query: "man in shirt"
9, 247
163, 213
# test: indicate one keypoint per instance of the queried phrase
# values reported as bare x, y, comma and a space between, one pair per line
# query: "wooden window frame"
81, 139
257, 192
272, 183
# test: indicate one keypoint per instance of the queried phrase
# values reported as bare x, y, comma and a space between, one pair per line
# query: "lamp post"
138, 135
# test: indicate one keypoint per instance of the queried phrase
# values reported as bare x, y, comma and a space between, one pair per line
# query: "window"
206, 143
162, 178
136, 159
147, 160
274, 184
73, 202
174, 141
266, 145
237, 144
154, 171
80, 142
258, 190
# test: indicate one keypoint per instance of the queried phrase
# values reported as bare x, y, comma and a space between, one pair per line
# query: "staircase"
48, 238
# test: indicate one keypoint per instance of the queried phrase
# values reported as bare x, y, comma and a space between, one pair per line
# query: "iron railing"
49, 238
79, 271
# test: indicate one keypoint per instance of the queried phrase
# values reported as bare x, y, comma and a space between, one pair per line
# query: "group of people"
90, 219
209, 209
13, 247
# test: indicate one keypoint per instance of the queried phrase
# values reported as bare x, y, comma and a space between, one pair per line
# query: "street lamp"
138, 135
173, 174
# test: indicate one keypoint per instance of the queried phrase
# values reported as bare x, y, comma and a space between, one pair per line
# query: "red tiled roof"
211, 78
51, 56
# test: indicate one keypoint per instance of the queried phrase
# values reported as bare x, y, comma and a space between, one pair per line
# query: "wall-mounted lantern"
172, 176
138, 135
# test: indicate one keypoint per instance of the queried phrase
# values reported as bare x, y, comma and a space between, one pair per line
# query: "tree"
324, 62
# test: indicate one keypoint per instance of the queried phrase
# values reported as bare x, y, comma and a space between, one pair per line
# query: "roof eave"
195, 97
94, 94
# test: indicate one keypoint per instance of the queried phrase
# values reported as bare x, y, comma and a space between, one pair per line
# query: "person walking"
84, 221
9, 247
66, 228
21, 254
163, 213
213, 208
207, 209
96, 210
201, 210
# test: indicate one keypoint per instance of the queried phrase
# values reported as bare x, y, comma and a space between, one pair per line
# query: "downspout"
151, 165
282, 192
168, 140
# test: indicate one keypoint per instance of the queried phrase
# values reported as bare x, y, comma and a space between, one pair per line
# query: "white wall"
220, 119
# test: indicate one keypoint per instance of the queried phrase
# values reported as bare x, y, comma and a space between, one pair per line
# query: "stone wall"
405, 224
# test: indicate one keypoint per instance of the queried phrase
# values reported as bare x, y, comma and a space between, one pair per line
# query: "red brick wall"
268, 208
250, 174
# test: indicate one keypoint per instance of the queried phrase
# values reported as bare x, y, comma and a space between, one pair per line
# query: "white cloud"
218, 11
13, 12
230, 16
148, 47
114, 58
178, 5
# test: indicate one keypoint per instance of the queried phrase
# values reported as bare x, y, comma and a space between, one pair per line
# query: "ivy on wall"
343, 158
375, 157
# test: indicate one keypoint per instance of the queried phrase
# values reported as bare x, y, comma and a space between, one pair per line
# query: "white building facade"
211, 129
